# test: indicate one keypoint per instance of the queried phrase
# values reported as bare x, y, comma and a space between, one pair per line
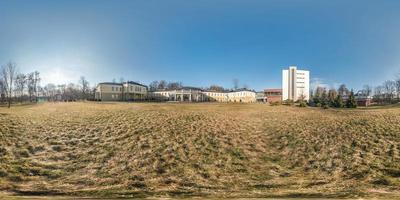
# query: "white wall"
285, 86
302, 84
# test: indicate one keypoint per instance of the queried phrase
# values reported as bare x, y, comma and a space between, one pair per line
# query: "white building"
295, 84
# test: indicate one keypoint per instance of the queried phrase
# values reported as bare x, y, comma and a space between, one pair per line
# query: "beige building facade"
133, 91
127, 91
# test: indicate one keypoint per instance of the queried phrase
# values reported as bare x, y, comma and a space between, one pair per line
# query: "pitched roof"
109, 83
120, 84
136, 83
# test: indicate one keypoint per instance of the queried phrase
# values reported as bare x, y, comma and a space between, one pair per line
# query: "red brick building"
273, 95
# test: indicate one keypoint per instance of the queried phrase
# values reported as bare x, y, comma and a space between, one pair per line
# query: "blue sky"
203, 42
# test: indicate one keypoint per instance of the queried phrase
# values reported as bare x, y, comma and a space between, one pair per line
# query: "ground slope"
199, 149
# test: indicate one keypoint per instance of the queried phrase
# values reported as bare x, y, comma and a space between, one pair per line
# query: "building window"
112, 88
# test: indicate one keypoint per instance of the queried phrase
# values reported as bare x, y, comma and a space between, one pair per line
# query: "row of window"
116, 88
214, 94
135, 88
131, 88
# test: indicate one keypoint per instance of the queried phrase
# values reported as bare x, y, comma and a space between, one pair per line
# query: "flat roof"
273, 90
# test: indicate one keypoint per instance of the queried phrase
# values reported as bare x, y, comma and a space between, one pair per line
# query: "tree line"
16, 87
342, 97
386, 93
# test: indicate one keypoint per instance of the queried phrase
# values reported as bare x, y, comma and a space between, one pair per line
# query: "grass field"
217, 150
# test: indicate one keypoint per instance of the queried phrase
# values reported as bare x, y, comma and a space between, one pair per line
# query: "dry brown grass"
253, 150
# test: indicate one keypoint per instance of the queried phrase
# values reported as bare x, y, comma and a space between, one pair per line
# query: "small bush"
288, 102
136, 184
22, 153
303, 104
237, 153
3, 173
57, 148
3, 151
381, 181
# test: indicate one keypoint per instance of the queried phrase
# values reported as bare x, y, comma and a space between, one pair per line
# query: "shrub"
303, 104
288, 102
381, 181
3, 172
339, 102
57, 148
351, 102
3, 151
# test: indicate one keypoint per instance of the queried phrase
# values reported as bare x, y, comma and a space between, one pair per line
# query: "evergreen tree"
339, 102
324, 99
332, 94
351, 101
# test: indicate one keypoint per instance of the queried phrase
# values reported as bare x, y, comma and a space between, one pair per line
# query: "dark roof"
181, 88
189, 88
110, 83
225, 91
130, 82
242, 89
273, 90
136, 83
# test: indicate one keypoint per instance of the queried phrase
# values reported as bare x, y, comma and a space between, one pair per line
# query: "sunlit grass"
123, 149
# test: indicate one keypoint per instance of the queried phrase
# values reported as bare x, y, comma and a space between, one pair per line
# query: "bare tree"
398, 86
84, 84
216, 88
153, 86
389, 87
235, 83
378, 94
50, 91
2, 89
367, 90
8, 74
162, 85
174, 85
62, 89
36, 82
20, 83
343, 91
31, 85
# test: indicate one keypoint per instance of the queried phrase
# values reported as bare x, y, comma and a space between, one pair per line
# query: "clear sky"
203, 42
